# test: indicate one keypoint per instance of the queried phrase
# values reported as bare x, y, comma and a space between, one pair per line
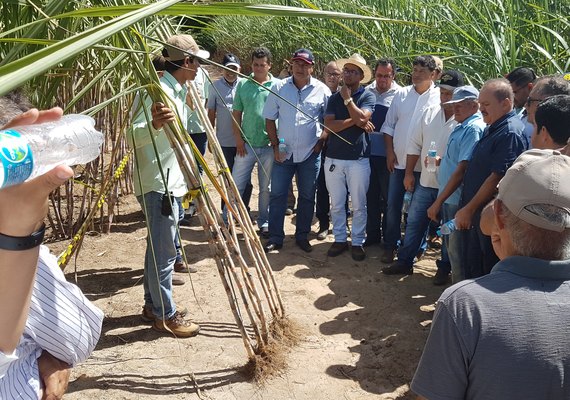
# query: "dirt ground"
363, 331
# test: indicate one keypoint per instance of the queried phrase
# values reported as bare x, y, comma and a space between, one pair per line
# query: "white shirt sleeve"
61, 319
5, 361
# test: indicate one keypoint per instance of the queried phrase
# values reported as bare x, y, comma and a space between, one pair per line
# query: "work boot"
176, 325
337, 248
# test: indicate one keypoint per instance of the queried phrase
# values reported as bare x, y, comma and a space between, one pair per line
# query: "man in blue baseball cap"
452, 168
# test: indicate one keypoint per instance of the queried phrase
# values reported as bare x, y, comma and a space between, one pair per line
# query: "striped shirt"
61, 321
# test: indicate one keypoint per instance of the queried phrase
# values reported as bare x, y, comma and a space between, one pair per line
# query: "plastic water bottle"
431, 158
447, 228
32, 150
282, 149
407, 201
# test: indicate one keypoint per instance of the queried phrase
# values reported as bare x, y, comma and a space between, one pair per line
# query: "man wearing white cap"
454, 162
151, 149
505, 335
347, 166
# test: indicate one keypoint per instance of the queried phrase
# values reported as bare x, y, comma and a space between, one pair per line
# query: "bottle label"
16, 158
432, 153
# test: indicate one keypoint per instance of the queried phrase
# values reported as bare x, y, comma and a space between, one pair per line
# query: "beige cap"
438, 63
537, 177
181, 46
360, 62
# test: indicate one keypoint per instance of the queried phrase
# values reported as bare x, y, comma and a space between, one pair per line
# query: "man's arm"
17, 268
409, 178
271, 129
485, 193
240, 143
212, 116
391, 158
454, 182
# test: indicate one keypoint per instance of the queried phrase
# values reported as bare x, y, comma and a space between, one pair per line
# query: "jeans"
243, 167
396, 190
177, 242
453, 243
201, 141
417, 225
323, 205
160, 255
478, 255
230, 155
354, 176
377, 198
281, 177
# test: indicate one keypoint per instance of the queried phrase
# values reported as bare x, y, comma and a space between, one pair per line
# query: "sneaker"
270, 246
304, 245
264, 232
176, 325
398, 269
323, 233
358, 253
440, 278
388, 256
337, 248
148, 316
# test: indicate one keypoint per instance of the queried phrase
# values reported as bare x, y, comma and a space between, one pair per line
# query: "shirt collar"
534, 268
172, 82
469, 119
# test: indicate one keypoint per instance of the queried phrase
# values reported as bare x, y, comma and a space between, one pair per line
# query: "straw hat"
360, 62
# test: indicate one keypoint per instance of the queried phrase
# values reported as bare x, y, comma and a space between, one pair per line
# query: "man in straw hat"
152, 184
346, 165
505, 335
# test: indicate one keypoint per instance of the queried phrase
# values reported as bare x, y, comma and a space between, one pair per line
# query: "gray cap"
464, 93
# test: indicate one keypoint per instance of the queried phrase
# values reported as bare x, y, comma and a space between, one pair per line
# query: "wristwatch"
348, 101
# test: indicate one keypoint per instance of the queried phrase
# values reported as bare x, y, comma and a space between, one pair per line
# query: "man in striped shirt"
46, 324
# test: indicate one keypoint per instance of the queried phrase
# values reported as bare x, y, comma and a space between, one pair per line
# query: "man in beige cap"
152, 184
505, 335
347, 167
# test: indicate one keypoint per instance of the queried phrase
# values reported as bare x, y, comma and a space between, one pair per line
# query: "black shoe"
304, 245
388, 256
289, 211
358, 253
370, 242
398, 269
270, 246
337, 249
440, 278
323, 233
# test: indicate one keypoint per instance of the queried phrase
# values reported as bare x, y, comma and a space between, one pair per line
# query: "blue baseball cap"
464, 93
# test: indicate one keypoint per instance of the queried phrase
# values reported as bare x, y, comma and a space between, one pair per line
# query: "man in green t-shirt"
252, 143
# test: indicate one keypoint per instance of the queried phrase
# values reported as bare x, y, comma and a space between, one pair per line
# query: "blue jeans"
417, 225
281, 177
230, 155
354, 176
377, 195
396, 190
177, 242
201, 142
243, 167
453, 243
160, 255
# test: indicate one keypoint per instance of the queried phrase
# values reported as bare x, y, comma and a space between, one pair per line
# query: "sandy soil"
363, 331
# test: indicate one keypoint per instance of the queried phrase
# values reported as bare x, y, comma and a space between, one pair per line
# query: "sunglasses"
530, 100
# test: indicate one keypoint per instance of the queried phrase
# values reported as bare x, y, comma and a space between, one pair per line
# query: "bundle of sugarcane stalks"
242, 264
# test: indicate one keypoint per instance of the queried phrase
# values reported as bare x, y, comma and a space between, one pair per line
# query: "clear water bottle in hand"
431, 158
32, 150
282, 150
407, 201
447, 228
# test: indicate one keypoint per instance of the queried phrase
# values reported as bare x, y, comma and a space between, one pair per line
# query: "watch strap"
20, 243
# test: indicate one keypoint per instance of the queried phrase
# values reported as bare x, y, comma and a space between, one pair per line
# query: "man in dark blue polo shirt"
502, 142
346, 166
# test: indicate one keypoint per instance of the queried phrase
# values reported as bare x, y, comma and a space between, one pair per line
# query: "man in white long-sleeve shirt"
406, 108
